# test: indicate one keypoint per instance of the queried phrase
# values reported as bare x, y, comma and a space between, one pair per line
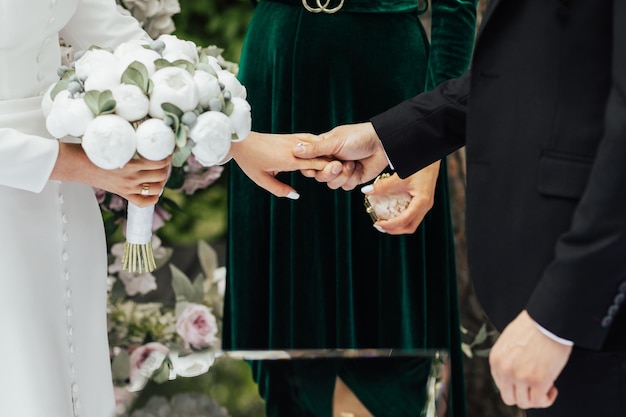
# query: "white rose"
176, 49
212, 134
128, 52
68, 116
130, 102
173, 85
232, 84
193, 364
109, 141
95, 60
155, 139
208, 87
241, 117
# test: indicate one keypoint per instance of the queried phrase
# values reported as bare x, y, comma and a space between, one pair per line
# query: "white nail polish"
367, 189
293, 195
380, 229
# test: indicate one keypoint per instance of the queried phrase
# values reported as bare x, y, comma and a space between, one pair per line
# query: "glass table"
309, 383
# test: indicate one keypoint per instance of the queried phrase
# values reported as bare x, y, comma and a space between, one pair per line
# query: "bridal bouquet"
165, 97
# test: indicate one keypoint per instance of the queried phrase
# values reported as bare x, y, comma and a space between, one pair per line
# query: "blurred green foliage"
215, 22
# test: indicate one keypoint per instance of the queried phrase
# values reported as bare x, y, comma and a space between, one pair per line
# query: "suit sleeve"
426, 128
582, 290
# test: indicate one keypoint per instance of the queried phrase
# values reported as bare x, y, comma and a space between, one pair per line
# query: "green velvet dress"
314, 273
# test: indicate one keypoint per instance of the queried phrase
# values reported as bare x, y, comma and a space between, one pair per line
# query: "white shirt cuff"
554, 337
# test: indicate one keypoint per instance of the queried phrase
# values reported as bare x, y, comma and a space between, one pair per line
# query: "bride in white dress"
54, 349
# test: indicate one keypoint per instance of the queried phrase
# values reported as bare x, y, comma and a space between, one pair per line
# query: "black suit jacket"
542, 113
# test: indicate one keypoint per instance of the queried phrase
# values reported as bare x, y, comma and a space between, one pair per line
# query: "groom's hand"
525, 363
356, 142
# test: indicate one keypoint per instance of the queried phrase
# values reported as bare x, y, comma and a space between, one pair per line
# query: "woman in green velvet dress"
314, 273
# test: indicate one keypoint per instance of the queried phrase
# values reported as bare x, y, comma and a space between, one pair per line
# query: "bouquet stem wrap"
138, 256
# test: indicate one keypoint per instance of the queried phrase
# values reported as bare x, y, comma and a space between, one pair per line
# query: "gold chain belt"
322, 7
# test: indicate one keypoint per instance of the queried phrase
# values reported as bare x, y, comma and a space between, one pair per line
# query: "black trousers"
593, 384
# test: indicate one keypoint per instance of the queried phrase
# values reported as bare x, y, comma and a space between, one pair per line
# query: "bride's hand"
263, 155
140, 181
420, 186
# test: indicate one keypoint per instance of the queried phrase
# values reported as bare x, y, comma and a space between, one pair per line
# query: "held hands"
357, 142
525, 363
140, 181
420, 186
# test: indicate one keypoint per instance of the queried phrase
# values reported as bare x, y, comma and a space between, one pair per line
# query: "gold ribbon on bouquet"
322, 7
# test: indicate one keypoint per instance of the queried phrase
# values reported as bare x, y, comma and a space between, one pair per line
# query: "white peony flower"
130, 102
109, 141
176, 49
128, 52
105, 78
232, 83
214, 63
208, 87
155, 140
68, 116
212, 134
241, 117
173, 85
94, 60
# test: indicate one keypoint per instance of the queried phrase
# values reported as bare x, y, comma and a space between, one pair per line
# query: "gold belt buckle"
322, 7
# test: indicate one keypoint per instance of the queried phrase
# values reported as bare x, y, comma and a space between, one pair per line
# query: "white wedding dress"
54, 349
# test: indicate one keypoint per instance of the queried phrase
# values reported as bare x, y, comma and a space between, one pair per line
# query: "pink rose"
144, 361
197, 327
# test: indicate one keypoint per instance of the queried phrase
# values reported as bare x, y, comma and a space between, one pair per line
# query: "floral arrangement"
162, 340
155, 16
166, 97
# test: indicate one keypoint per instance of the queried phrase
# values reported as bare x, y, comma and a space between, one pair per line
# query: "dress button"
40, 76
67, 276
74, 388
66, 256
606, 321
619, 299
613, 310
69, 312
64, 218
61, 199
622, 287
65, 236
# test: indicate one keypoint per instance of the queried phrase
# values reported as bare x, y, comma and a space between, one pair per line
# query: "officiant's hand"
140, 181
356, 142
420, 186
262, 156
525, 363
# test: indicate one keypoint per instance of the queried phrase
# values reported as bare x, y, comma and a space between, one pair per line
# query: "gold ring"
145, 189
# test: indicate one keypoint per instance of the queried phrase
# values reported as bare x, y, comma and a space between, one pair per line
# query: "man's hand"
525, 363
357, 142
420, 186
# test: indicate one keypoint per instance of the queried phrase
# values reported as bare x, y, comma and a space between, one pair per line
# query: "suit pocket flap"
563, 175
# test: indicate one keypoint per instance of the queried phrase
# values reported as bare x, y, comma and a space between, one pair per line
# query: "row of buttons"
68, 306
614, 308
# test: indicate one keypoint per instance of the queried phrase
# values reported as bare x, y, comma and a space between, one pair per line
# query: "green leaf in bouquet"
184, 64
100, 102
180, 156
106, 102
181, 136
198, 285
60, 86
176, 178
162, 374
137, 74
174, 111
162, 63
228, 107
207, 257
170, 205
206, 67
184, 290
